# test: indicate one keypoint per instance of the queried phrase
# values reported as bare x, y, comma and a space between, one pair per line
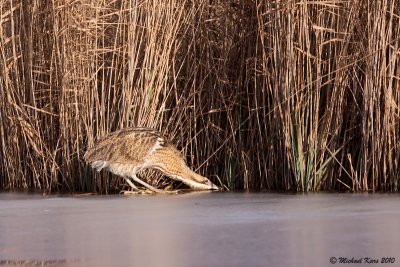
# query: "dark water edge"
200, 229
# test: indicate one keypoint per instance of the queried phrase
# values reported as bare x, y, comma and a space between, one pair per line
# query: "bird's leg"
135, 178
134, 187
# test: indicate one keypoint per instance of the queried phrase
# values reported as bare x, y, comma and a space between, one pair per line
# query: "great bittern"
130, 150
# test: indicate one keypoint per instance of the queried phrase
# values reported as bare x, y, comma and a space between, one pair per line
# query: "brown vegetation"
282, 95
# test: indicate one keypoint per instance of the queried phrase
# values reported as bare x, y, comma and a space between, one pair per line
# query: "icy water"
200, 229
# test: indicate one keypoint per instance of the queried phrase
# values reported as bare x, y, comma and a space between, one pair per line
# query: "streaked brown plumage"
130, 150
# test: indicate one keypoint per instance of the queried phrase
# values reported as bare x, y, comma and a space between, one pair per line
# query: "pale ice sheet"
199, 229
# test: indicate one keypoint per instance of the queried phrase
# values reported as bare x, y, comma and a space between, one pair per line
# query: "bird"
127, 151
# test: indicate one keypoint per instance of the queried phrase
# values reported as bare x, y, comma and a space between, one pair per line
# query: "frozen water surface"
199, 229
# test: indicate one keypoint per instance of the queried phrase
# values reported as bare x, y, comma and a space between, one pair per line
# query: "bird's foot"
148, 192
129, 192
136, 192
173, 192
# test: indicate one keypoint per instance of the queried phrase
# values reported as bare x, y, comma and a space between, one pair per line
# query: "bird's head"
169, 161
196, 181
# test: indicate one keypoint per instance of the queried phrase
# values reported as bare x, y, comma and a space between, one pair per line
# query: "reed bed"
267, 95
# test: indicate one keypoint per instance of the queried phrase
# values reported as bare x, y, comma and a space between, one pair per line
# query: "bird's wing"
128, 145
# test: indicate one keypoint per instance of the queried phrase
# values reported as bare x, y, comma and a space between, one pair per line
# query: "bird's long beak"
211, 186
208, 185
